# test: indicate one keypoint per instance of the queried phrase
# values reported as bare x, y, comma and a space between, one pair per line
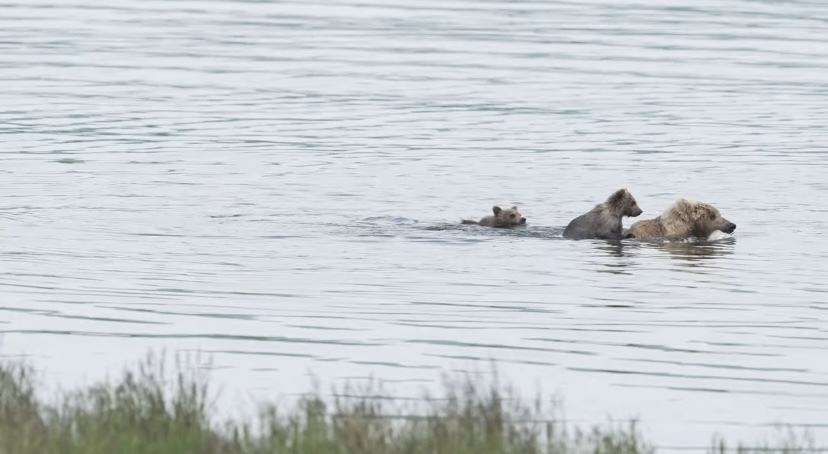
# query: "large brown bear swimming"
686, 218
604, 221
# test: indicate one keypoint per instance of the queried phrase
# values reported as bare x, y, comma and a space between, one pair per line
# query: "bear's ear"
617, 196
514, 207
496, 210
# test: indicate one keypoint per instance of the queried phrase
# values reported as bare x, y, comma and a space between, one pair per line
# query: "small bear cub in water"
604, 221
502, 218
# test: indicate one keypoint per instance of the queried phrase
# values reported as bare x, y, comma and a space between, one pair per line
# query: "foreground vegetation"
145, 411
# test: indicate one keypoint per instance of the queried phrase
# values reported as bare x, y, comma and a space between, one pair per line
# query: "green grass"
147, 411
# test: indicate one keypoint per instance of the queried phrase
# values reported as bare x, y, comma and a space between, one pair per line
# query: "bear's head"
508, 216
622, 203
698, 218
709, 219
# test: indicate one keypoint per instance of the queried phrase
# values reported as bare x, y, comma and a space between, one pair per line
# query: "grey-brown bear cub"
502, 218
604, 221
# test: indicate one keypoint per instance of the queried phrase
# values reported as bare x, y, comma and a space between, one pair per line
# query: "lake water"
278, 184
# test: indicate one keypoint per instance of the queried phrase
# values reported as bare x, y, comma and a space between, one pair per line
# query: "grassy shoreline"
147, 410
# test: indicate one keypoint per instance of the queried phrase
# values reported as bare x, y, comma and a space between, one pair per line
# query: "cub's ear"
514, 207
618, 196
496, 210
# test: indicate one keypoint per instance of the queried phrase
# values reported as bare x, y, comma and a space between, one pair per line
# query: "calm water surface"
278, 184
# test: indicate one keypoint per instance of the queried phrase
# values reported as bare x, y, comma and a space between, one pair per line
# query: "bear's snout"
523, 220
726, 226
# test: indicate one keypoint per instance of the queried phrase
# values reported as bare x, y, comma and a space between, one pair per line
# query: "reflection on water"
281, 184
698, 251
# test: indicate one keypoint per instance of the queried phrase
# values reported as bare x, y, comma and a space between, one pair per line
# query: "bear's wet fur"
502, 218
604, 221
685, 218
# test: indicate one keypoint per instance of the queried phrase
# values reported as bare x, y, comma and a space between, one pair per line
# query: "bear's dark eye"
512, 215
713, 216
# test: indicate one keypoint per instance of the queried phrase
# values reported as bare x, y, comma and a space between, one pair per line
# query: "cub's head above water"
622, 203
508, 217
